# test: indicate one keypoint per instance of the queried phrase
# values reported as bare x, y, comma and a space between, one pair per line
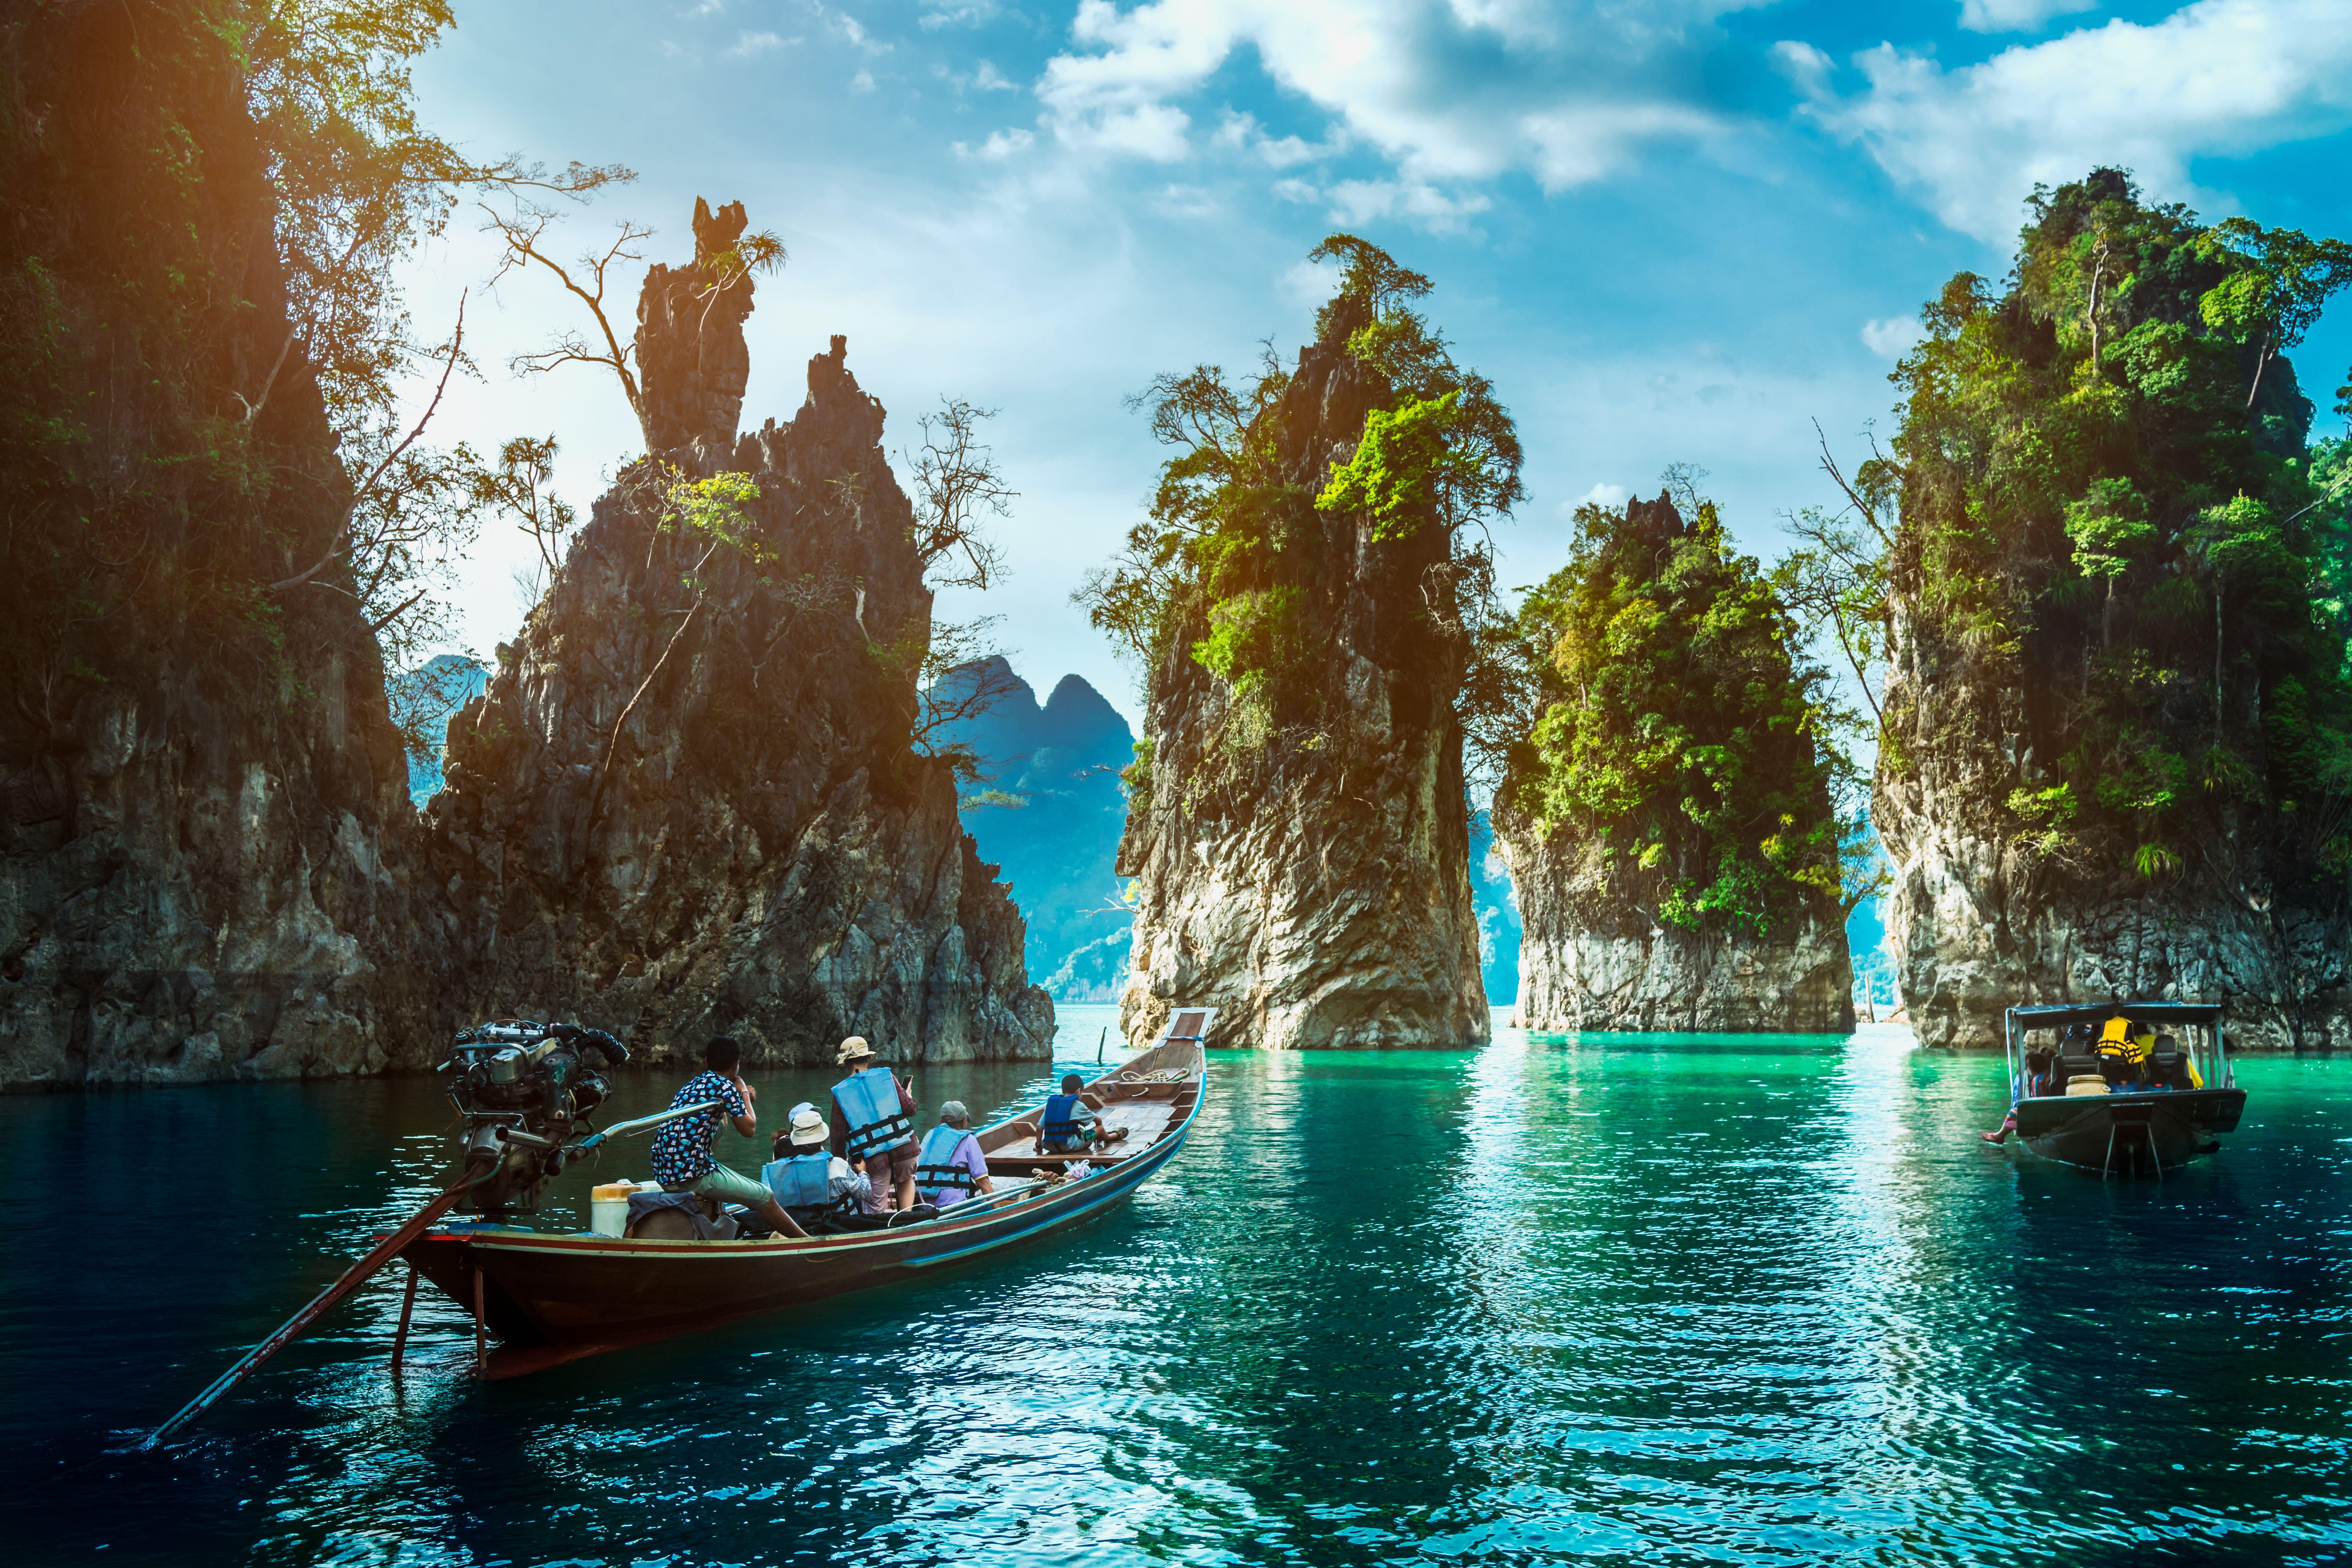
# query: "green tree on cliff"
1221, 543
1680, 744
2108, 504
256, 465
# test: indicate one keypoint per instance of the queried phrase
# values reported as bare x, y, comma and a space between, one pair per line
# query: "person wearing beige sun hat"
874, 1122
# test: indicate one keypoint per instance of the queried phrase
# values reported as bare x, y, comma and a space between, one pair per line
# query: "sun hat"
952, 1113
808, 1127
852, 1049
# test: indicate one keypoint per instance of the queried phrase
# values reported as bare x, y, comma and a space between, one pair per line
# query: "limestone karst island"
1130, 782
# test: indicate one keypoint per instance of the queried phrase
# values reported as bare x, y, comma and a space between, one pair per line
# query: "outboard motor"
525, 1089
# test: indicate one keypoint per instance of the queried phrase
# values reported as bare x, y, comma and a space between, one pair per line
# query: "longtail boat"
547, 1299
2122, 1111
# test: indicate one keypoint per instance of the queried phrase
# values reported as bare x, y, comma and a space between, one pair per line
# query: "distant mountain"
1060, 762
430, 694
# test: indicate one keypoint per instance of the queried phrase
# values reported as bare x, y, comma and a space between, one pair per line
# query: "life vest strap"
940, 1170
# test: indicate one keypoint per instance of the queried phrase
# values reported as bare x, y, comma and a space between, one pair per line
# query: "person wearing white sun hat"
808, 1178
874, 1122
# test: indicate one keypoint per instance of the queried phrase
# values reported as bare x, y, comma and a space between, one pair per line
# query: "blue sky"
1678, 232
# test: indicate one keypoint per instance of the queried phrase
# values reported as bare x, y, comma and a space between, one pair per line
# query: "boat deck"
1140, 1106
1144, 1119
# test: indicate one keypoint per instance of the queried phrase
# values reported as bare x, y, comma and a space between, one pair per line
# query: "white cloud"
988, 79
2220, 78
2017, 16
1450, 90
850, 29
1892, 337
971, 13
1305, 284
1188, 201
861, 82
1000, 145
1805, 66
1422, 204
1242, 132
1600, 495
1154, 131
748, 43
1296, 191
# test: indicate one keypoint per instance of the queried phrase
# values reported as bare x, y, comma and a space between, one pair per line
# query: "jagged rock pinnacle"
690, 348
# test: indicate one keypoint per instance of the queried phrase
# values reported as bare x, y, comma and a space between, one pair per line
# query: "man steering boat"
682, 1159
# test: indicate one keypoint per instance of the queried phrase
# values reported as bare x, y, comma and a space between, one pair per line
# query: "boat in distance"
2116, 1105
548, 1298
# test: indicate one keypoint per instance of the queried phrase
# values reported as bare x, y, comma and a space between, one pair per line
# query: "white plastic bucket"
608, 1208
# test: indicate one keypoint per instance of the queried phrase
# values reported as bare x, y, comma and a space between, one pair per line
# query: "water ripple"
1703, 1301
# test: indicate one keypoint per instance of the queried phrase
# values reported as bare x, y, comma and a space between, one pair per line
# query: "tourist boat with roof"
2121, 1111
546, 1298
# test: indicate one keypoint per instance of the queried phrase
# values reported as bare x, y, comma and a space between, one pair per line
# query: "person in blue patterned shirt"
682, 1159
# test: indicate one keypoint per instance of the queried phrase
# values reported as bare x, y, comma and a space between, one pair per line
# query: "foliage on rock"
1232, 544
1680, 744
2107, 501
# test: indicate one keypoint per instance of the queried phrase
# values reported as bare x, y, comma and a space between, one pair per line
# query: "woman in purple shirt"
951, 1168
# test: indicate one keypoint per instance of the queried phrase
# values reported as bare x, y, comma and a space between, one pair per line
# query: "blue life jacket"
1058, 1128
868, 1103
936, 1169
801, 1180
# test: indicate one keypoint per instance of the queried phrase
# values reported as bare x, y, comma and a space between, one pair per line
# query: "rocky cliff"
2113, 712
1580, 972
1300, 840
1974, 930
202, 828
1667, 818
687, 801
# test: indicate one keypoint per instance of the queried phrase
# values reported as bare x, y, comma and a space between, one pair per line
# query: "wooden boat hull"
551, 1298
2122, 1132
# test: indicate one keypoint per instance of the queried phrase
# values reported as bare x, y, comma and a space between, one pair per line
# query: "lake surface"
1637, 1299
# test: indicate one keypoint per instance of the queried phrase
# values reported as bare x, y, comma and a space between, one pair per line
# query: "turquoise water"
1669, 1299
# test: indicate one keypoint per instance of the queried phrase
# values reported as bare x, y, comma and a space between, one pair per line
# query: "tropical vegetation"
1681, 747
2102, 498
1230, 558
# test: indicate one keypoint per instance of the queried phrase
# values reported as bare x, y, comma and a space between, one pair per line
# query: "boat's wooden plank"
1145, 1121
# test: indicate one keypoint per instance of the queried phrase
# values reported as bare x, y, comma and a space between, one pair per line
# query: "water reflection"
1733, 1300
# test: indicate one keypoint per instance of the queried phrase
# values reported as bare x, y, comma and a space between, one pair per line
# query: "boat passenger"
874, 1122
951, 1167
2040, 1068
2123, 1048
1068, 1125
2042, 1076
808, 1178
681, 1155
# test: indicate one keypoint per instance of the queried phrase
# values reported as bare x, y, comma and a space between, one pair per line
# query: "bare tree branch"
521, 234
957, 483
343, 533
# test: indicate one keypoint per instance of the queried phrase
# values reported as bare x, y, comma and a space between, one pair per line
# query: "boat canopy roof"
2093, 1013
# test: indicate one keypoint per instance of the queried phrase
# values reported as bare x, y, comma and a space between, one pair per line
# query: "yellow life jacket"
2115, 1040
